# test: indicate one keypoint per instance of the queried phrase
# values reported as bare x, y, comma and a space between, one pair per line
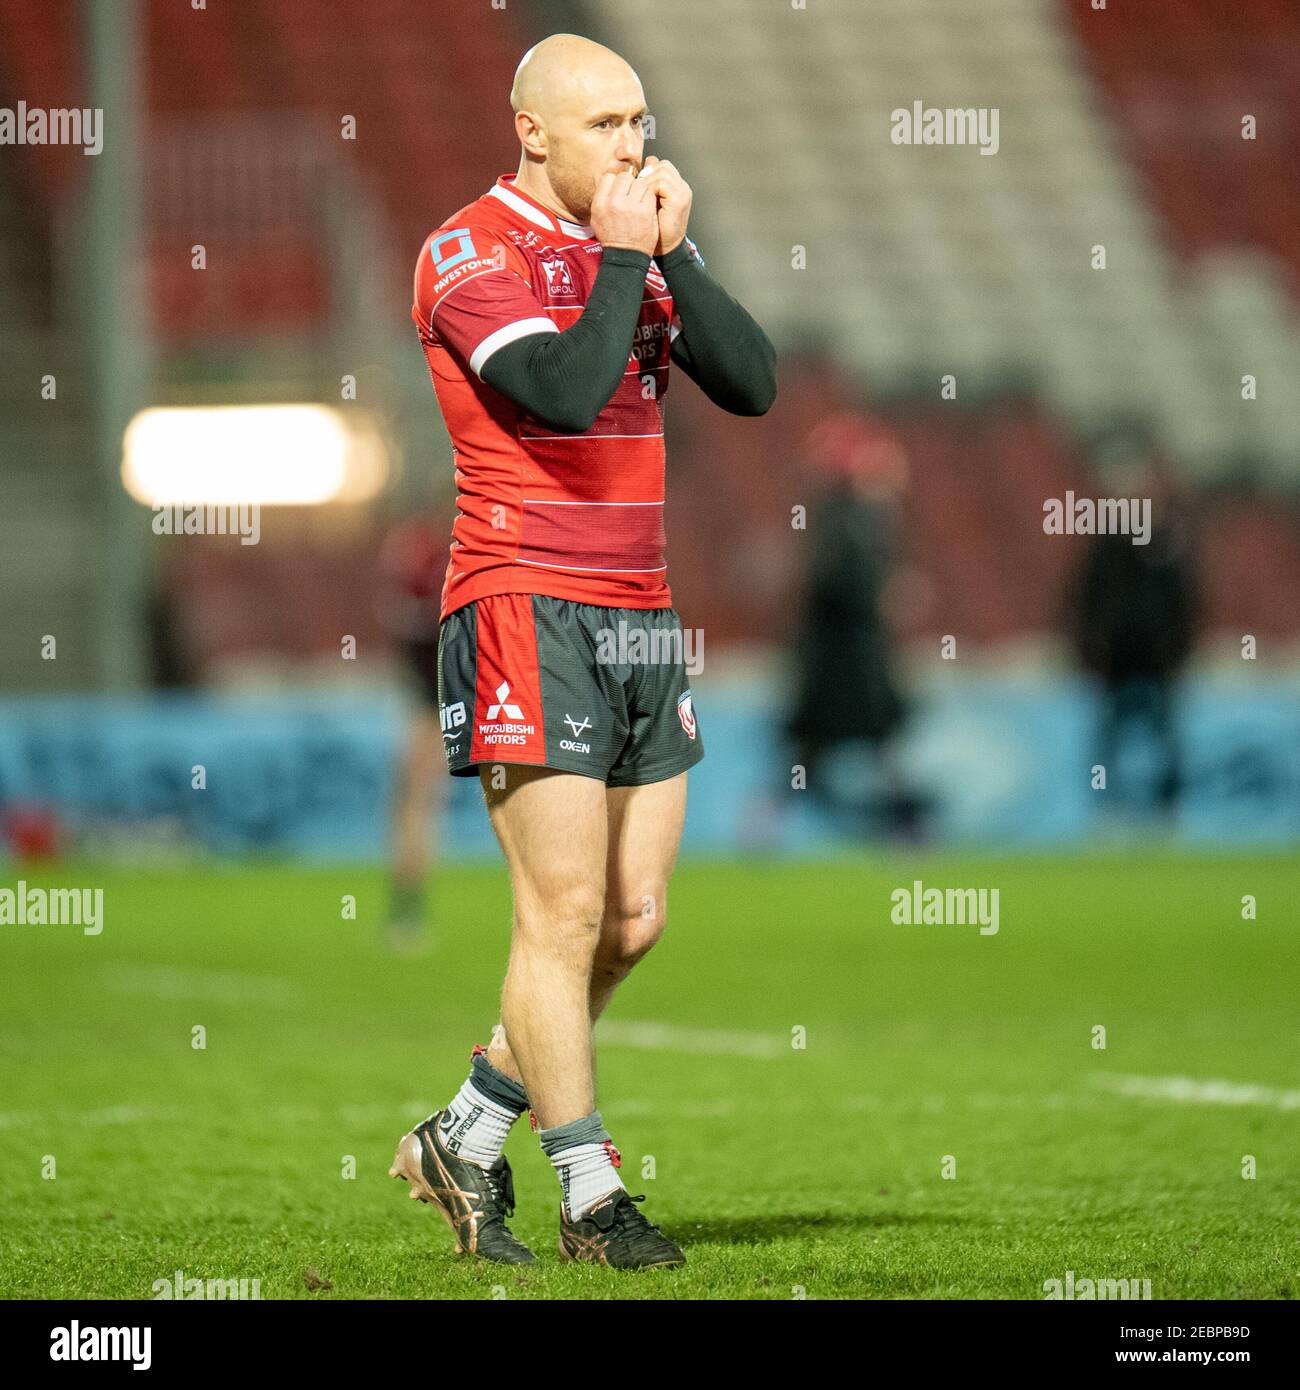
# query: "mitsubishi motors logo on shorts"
504, 721
511, 711
686, 713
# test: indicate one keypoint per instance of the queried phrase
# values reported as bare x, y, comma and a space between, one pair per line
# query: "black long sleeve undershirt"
720, 347
566, 379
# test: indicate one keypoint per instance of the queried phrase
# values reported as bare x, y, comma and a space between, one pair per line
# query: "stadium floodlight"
291, 455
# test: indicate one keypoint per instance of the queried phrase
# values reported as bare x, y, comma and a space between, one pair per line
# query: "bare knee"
564, 921
628, 932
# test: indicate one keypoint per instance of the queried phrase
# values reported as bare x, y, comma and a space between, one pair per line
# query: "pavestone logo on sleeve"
454, 255
451, 249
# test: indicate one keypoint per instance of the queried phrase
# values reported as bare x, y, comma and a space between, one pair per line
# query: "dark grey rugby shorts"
527, 678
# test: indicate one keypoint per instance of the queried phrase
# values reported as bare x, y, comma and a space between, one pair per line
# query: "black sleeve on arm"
720, 347
566, 379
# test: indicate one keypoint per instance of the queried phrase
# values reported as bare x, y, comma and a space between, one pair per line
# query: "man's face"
599, 131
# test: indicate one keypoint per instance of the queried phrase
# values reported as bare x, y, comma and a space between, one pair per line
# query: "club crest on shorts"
686, 713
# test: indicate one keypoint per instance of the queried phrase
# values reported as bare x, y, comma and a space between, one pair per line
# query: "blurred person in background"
1136, 621
412, 562
846, 690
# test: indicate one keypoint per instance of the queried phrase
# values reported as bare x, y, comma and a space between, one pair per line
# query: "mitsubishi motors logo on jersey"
558, 279
686, 713
504, 722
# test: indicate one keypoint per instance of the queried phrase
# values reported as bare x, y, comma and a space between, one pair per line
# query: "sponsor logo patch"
452, 249
579, 727
503, 721
686, 713
501, 707
453, 719
558, 279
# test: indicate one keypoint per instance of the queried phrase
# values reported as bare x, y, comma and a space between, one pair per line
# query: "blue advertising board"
1000, 762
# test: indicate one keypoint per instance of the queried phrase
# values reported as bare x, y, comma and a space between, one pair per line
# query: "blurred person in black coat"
846, 689
1136, 620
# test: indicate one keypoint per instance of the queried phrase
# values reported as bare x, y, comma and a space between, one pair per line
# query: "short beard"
574, 188
575, 192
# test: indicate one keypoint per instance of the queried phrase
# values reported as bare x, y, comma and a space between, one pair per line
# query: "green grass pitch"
785, 1171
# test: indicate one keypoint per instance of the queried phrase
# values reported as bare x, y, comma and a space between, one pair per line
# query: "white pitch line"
109, 1115
1186, 1090
711, 1042
207, 986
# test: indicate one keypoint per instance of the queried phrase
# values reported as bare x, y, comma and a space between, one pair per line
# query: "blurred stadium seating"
916, 266
1120, 129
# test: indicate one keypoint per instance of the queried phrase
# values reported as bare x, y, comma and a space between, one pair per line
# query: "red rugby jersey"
538, 511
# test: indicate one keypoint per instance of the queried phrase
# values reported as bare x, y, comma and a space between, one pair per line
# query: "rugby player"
550, 311
411, 564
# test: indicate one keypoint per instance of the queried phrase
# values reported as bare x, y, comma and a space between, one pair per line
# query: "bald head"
565, 70
579, 113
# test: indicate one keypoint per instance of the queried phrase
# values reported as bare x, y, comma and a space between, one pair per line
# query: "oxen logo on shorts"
579, 727
686, 713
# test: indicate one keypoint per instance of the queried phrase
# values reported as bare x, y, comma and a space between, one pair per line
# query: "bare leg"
644, 828
421, 778
553, 830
